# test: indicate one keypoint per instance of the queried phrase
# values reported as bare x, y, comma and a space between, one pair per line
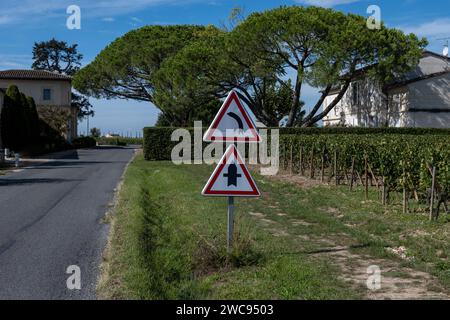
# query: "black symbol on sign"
232, 175
238, 120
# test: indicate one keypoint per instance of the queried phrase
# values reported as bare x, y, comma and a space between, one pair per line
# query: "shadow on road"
12, 182
63, 155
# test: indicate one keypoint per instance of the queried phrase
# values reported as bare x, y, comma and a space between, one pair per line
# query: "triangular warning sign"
231, 178
232, 123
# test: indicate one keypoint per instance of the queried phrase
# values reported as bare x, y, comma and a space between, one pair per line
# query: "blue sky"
22, 22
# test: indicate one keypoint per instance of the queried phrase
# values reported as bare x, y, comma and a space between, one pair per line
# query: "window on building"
47, 94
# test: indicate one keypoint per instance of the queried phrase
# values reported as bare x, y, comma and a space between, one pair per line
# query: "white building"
52, 93
420, 98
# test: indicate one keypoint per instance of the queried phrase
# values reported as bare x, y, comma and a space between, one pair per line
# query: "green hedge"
362, 131
119, 141
157, 142
158, 145
84, 142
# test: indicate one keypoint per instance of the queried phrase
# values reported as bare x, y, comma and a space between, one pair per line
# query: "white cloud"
14, 11
109, 19
4, 20
436, 28
326, 3
15, 61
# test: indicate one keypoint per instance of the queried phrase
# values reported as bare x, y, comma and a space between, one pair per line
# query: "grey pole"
230, 224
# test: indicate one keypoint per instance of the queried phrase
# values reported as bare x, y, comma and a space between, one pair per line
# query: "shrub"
119, 141
84, 142
96, 132
19, 120
158, 144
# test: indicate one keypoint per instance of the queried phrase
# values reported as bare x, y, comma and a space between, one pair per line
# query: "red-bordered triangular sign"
232, 123
231, 178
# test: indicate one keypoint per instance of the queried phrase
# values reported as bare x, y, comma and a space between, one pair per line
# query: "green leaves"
268, 57
324, 48
126, 67
404, 160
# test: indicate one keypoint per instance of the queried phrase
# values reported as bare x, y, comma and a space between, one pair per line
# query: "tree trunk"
321, 115
295, 101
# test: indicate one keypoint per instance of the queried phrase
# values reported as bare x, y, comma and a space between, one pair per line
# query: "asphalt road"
51, 218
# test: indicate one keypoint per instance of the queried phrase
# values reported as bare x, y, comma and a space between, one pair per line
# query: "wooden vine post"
301, 161
384, 192
322, 169
366, 172
291, 160
335, 167
405, 197
433, 186
312, 163
405, 201
352, 174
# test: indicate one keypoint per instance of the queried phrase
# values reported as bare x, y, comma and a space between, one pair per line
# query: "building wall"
429, 104
423, 103
363, 105
61, 90
60, 102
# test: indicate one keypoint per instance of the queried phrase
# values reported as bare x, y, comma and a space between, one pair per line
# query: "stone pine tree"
323, 48
58, 56
269, 57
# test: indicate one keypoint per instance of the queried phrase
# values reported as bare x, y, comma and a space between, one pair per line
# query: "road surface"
51, 218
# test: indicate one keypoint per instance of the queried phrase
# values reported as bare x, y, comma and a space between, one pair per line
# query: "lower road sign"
231, 178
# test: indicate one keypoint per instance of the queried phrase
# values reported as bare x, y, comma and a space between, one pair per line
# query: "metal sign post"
230, 224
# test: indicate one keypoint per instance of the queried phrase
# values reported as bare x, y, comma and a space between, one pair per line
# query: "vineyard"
417, 167
410, 163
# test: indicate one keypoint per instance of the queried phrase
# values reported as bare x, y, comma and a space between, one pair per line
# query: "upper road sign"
231, 177
232, 123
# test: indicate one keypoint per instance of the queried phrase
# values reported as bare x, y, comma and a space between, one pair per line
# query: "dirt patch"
268, 221
400, 252
291, 178
331, 211
257, 215
296, 222
278, 232
397, 283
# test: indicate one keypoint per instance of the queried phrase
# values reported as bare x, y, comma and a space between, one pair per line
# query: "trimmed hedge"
84, 142
157, 142
360, 131
119, 141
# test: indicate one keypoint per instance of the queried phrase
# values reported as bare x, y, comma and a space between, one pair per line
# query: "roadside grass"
165, 236
168, 242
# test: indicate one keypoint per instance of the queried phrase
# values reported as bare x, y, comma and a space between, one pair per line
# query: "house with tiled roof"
419, 98
52, 93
